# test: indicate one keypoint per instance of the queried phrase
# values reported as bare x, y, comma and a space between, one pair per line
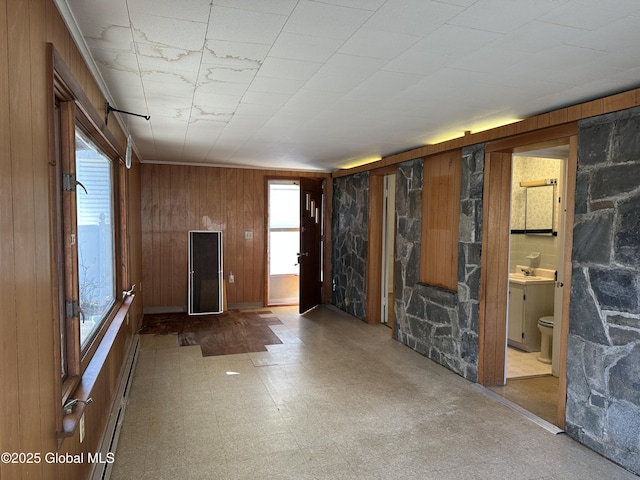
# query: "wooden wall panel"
10, 427
374, 250
176, 199
29, 405
495, 269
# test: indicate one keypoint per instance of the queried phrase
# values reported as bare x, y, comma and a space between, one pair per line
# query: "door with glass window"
283, 281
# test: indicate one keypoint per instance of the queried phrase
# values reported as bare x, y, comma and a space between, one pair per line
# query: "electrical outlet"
81, 428
231, 277
248, 235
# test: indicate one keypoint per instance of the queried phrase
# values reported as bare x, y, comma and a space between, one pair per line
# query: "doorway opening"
526, 270
283, 233
534, 312
388, 249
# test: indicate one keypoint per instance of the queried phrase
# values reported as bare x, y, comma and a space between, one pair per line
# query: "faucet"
526, 272
69, 404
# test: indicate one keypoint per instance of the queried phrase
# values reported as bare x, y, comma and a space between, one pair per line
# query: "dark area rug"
229, 332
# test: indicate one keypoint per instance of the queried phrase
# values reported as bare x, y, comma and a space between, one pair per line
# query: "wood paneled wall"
28, 404
176, 199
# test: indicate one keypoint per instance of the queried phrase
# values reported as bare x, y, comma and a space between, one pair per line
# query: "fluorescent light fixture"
360, 162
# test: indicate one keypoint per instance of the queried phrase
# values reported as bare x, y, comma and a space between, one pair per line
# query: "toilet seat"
546, 322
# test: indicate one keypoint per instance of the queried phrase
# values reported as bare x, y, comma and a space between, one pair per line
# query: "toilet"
545, 325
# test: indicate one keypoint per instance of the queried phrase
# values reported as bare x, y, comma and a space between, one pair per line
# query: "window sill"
84, 388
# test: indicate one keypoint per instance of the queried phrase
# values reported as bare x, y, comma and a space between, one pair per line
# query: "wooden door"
310, 254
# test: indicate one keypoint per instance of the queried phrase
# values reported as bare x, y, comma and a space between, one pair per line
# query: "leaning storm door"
205, 272
310, 255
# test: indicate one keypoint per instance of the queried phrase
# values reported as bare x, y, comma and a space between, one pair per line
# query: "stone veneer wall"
440, 324
603, 364
350, 245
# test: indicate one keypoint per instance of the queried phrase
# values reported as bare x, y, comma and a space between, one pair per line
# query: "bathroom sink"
518, 277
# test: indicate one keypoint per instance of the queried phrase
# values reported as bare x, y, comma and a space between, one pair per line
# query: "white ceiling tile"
288, 69
280, 7
455, 40
168, 32
94, 17
264, 98
412, 17
350, 65
324, 20
537, 36
590, 14
257, 109
276, 85
361, 4
383, 84
501, 16
195, 10
489, 59
368, 42
236, 25
304, 47
335, 83
417, 61
618, 35
310, 103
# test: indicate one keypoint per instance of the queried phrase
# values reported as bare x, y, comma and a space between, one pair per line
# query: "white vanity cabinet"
528, 301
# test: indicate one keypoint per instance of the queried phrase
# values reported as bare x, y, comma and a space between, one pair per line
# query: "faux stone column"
603, 364
350, 245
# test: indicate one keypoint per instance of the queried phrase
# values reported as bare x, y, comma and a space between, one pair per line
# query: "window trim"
70, 108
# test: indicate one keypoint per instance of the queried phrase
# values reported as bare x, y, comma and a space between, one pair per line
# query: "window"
95, 236
88, 225
440, 220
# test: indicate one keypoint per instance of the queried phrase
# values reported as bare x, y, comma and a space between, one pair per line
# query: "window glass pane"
284, 206
283, 248
96, 254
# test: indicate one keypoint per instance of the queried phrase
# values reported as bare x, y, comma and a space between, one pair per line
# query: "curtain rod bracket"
110, 109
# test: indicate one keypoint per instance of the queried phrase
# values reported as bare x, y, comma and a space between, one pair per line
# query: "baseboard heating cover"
109, 440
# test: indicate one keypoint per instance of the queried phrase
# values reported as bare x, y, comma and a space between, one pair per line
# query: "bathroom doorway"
497, 263
533, 314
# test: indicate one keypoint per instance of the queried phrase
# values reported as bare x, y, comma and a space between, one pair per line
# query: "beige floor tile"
339, 399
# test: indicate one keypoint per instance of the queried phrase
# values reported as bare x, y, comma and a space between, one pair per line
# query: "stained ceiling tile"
315, 82
168, 32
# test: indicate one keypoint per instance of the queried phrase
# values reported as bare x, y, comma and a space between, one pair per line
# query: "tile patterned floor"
338, 399
525, 364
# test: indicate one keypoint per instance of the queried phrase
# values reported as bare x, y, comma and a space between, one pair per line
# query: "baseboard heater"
109, 441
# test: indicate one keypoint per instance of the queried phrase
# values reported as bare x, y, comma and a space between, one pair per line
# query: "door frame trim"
491, 327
